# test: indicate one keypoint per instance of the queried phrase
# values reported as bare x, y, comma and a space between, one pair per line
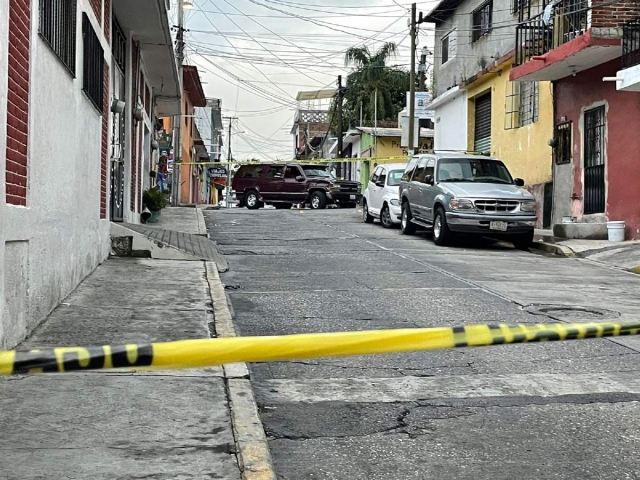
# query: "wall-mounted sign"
421, 109
217, 172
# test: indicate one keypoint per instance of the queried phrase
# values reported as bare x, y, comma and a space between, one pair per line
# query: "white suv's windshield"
314, 171
479, 170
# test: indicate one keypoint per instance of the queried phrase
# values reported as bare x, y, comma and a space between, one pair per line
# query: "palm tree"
371, 75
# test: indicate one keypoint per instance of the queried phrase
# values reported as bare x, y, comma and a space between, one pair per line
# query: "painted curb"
553, 248
254, 457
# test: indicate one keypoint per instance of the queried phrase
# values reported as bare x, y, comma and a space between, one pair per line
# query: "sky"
256, 55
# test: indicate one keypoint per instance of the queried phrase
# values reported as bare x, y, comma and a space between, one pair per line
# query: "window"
58, 28
522, 104
445, 49
479, 170
406, 176
482, 20
251, 171
275, 171
383, 176
316, 171
376, 174
92, 63
563, 143
394, 178
118, 45
425, 168
522, 8
292, 172
529, 100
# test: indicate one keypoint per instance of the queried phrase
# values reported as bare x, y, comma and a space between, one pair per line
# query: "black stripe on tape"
47, 360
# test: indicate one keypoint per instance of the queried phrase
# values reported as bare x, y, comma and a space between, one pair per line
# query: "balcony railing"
541, 34
631, 43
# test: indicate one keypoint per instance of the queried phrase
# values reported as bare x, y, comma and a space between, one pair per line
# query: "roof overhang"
442, 11
581, 53
147, 22
447, 97
316, 95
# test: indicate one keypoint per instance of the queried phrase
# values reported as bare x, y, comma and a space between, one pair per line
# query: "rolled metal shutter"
482, 134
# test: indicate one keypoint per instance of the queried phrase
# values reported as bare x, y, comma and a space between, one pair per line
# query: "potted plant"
155, 201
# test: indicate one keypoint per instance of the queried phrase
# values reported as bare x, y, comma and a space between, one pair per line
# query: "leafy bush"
154, 199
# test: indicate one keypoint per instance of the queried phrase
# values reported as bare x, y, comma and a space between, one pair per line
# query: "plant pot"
154, 216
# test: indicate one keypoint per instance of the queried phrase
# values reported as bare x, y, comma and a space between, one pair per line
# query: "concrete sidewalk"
121, 425
623, 255
181, 219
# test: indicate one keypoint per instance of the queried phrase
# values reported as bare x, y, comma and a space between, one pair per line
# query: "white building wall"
48, 247
451, 124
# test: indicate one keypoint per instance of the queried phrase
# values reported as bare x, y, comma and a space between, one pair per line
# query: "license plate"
501, 226
352, 197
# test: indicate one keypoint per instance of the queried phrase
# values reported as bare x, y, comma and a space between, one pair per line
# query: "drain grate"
572, 312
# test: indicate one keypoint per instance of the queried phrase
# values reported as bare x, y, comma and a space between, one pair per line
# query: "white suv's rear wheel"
366, 218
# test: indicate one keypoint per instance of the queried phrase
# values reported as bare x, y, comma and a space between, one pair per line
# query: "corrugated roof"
393, 132
316, 95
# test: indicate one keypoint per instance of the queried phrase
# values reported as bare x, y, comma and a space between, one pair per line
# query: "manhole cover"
572, 312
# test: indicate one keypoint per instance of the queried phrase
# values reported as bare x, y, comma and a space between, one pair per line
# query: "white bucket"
616, 231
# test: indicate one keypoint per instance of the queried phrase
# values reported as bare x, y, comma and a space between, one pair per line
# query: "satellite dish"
546, 16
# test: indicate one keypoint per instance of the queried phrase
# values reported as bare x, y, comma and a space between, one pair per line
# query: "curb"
202, 226
254, 457
555, 249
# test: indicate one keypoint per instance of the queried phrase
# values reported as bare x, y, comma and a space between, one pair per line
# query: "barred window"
563, 142
57, 27
529, 100
445, 49
93, 63
482, 20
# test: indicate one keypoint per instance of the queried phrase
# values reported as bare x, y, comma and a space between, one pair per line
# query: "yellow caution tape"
379, 160
209, 352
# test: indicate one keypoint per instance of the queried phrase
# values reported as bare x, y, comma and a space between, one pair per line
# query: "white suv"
381, 199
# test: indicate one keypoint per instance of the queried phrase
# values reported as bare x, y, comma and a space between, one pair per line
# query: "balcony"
631, 44
628, 79
560, 43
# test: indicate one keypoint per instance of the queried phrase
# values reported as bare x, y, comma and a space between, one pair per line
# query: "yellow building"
385, 142
513, 121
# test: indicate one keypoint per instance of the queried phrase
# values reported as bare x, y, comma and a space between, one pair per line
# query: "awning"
316, 95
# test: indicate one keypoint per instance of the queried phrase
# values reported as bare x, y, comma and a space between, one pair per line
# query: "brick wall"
105, 141
18, 101
614, 15
134, 131
96, 5
107, 19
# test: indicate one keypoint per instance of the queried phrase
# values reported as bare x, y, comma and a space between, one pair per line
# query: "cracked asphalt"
566, 410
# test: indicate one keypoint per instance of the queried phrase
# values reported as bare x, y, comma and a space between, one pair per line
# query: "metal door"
594, 161
482, 131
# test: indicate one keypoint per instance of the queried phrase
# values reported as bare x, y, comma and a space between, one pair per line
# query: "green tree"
372, 75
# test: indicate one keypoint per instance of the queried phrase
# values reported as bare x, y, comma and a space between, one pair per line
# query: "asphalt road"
539, 411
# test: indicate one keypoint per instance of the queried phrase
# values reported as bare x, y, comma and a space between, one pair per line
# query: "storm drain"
572, 312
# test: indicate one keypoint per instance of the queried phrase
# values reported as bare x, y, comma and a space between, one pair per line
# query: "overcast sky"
257, 54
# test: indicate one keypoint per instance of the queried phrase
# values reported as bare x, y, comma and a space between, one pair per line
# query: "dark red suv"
284, 185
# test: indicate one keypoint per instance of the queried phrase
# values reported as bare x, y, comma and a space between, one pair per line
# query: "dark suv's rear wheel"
406, 226
318, 200
252, 200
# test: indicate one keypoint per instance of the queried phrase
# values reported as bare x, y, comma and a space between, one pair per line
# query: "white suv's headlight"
528, 206
394, 202
461, 204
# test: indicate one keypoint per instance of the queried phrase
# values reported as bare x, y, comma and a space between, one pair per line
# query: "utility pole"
231, 119
422, 69
177, 141
413, 25
340, 93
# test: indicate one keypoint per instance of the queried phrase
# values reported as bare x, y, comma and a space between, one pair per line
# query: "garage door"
482, 133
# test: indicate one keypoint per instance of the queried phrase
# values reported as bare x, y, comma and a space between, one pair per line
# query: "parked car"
458, 193
283, 185
381, 199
